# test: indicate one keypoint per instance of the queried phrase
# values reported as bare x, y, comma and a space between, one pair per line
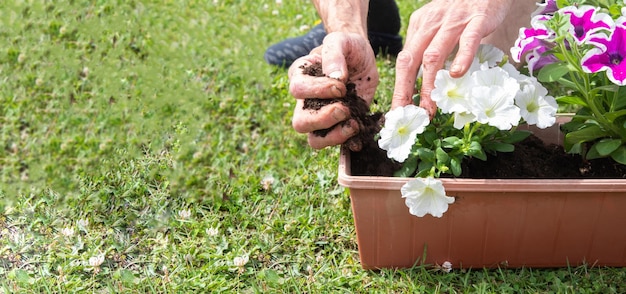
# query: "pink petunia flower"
586, 20
548, 8
609, 54
533, 38
538, 58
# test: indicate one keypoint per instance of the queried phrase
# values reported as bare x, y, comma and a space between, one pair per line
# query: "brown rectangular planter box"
493, 223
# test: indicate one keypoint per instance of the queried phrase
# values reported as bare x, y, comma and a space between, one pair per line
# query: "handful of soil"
363, 143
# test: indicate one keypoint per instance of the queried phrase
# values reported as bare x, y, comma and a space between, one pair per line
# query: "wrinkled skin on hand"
345, 57
433, 32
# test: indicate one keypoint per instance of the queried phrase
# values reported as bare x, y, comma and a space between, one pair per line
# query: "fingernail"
336, 92
456, 68
347, 130
339, 114
335, 75
354, 144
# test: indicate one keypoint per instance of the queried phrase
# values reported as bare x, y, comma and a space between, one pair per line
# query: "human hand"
345, 58
433, 33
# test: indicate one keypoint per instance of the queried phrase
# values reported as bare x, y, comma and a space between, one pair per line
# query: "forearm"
343, 15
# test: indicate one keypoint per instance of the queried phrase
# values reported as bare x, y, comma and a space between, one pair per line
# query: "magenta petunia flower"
538, 58
586, 20
536, 37
548, 7
609, 54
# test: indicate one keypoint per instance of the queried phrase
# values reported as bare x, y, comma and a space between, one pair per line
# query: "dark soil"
530, 159
369, 123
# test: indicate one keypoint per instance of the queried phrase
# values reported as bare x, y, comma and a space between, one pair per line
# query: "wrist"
348, 16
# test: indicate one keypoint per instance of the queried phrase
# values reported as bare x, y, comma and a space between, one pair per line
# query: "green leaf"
607, 146
426, 154
424, 169
607, 88
451, 142
516, 136
408, 167
589, 133
442, 156
593, 153
455, 166
477, 151
619, 155
611, 116
572, 100
552, 72
500, 147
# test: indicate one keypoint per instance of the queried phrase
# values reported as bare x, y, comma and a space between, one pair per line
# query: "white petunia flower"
494, 106
536, 107
463, 118
450, 94
426, 196
493, 98
401, 128
489, 54
496, 77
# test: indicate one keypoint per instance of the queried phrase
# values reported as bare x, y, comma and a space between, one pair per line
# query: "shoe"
286, 52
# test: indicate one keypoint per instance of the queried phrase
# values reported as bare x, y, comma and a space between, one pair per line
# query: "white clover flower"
267, 182
67, 232
489, 54
96, 261
536, 107
212, 232
83, 224
446, 266
184, 214
426, 196
401, 128
240, 261
451, 94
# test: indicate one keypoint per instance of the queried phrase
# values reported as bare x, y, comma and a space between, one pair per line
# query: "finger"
435, 56
338, 135
309, 120
334, 55
468, 46
409, 60
302, 85
406, 73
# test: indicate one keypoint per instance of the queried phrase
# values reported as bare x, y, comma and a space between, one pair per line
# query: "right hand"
345, 57
433, 32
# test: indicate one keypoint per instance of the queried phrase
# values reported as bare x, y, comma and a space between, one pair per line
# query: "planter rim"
479, 185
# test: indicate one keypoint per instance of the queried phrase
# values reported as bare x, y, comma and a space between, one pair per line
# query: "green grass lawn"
147, 147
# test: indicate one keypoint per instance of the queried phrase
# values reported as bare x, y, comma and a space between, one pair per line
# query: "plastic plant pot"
493, 222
